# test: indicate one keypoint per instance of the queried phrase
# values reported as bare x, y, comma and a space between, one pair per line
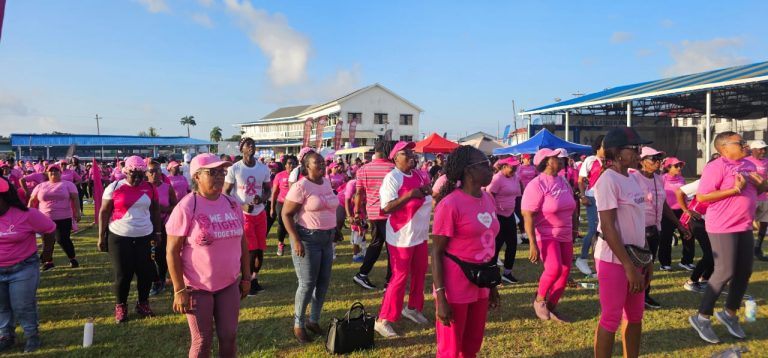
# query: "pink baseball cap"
401, 145
670, 161
332, 165
511, 161
134, 163
205, 161
172, 164
3, 163
525, 156
53, 166
4, 185
649, 152
546, 153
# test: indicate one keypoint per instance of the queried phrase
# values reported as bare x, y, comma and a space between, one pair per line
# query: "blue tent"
543, 139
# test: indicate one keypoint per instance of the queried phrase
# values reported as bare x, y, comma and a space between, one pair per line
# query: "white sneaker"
385, 329
414, 315
583, 266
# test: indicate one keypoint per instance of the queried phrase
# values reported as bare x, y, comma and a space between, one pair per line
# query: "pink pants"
616, 303
464, 337
221, 307
556, 257
405, 260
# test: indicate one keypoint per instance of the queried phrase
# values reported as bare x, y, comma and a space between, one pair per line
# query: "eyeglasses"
740, 143
654, 159
215, 172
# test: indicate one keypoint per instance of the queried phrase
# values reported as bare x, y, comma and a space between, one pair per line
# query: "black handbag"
349, 334
485, 275
640, 256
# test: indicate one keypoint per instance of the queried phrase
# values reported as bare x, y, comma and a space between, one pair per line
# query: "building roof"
86, 140
697, 82
299, 113
476, 135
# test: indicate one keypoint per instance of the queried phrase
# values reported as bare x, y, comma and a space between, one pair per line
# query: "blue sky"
142, 63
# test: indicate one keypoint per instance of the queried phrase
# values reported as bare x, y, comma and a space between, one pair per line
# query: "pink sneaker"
143, 310
121, 313
540, 307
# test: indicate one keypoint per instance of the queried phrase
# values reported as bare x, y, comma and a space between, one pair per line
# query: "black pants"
652, 237
131, 256
378, 240
519, 214
158, 255
733, 254
281, 231
270, 219
64, 236
706, 264
665, 245
507, 235
80, 196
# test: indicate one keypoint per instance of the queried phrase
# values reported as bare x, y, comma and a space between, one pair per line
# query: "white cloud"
155, 6
342, 82
287, 49
202, 20
621, 37
206, 3
667, 23
698, 56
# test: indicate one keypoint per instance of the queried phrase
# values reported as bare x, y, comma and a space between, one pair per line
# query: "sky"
142, 63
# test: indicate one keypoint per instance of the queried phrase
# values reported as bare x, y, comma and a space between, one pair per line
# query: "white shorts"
761, 214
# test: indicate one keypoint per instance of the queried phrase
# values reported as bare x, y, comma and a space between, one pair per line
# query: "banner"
352, 131
321, 121
2, 15
307, 132
337, 135
98, 189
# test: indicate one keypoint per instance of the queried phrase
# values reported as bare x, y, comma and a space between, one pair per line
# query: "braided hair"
454, 169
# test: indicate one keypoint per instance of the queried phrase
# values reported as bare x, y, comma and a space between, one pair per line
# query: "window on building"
406, 119
748, 135
354, 116
406, 138
380, 118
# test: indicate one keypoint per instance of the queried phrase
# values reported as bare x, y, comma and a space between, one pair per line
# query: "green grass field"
68, 296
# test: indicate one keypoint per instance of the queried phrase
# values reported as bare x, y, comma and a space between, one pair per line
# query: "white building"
374, 112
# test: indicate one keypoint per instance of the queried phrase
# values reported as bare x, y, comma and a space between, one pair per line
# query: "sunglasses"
654, 159
215, 172
636, 148
678, 165
740, 143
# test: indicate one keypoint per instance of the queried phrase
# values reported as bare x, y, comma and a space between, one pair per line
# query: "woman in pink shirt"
672, 181
506, 189
548, 206
178, 180
526, 172
280, 188
208, 259
19, 266
166, 200
730, 184
58, 200
309, 214
620, 202
464, 230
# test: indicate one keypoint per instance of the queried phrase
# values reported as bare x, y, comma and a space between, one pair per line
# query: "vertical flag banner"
321, 121
98, 189
352, 131
307, 132
337, 135
2, 15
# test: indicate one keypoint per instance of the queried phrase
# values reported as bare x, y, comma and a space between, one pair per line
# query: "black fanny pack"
640, 256
485, 275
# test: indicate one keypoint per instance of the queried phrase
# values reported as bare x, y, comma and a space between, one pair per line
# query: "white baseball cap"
757, 144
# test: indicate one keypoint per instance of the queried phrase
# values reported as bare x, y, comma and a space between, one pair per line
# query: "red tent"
435, 144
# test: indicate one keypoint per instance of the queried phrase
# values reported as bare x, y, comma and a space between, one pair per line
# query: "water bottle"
750, 312
589, 285
88, 333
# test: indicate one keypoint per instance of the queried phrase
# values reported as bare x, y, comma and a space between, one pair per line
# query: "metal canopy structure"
739, 92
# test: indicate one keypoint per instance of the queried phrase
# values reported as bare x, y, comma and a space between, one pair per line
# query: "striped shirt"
369, 177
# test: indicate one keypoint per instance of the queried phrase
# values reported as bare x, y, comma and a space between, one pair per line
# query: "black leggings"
652, 237
733, 254
158, 255
270, 219
64, 236
131, 255
257, 258
507, 235
706, 264
378, 241
519, 214
281, 231
665, 244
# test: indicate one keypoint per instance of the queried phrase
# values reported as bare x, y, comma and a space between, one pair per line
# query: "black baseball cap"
623, 136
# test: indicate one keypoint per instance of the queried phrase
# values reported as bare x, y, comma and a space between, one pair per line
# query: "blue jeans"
18, 290
313, 272
591, 227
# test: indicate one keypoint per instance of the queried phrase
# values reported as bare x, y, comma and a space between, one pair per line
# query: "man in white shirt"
588, 173
251, 181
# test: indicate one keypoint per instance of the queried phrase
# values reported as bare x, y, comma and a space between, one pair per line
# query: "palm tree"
188, 121
152, 132
216, 134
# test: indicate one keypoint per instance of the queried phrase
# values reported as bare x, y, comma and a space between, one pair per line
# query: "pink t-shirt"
17, 234
54, 199
734, 213
526, 173
35, 179
471, 226
318, 204
625, 194
349, 192
505, 191
591, 169
762, 168
280, 183
71, 175
655, 196
180, 185
671, 183
337, 180
408, 225
551, 200
163, 197
212, 232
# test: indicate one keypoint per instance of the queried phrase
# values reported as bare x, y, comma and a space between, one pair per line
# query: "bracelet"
439, 289
180, 291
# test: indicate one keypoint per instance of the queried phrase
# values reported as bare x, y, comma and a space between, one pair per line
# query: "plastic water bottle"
88, 333
589, 285
750, 312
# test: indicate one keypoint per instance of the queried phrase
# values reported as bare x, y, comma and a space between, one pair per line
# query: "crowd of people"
203, 223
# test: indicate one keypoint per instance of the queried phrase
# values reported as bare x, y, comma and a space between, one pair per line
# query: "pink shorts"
256, 231
616, 303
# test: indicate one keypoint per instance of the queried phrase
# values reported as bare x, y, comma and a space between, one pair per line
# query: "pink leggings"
616, 303
464, 337
557, 258
223, 307
405, 260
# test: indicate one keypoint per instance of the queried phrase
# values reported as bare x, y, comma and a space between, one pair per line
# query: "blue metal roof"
757, 72
90, 140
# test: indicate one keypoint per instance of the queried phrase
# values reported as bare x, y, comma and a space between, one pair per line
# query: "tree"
142, 134
188, 121
216, 134
152, 132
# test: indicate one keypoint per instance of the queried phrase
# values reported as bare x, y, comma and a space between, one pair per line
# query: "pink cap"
401, 145
4, 185
134, 163
511, 161
332, 165
670, 161
206, 160
525, 156
3, 163
546, 153
304, 152
329, 157
172, 164
53, 166
649, 152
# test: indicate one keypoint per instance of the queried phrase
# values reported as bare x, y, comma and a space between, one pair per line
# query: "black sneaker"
508, 278
6, 342
33, 344
157, 288
73, 263
362, 281
255, 288
759, 254
48, 265
651, 303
